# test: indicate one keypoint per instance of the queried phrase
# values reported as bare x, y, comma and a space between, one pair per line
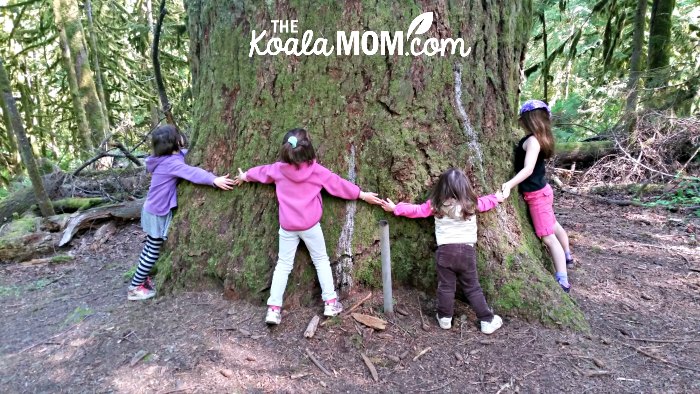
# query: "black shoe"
566, 289
570, 263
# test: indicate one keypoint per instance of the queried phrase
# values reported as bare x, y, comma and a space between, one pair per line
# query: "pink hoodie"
299, 191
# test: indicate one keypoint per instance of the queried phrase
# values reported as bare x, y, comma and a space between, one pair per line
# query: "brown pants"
457, 263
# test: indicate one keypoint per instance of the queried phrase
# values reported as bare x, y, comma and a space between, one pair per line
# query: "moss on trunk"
398, 121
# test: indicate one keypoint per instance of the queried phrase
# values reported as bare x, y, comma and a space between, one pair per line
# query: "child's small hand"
499, 196
224, 182
370, 198
388, 205
240, 178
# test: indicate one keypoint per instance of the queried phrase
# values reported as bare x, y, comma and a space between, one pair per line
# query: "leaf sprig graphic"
421, 24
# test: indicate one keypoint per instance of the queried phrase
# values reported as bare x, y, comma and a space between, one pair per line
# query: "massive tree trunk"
659, 42
390, 123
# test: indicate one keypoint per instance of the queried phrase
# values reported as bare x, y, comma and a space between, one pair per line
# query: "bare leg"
556, 251
562, 236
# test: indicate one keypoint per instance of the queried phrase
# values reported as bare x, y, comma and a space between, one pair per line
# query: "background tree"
390, 123
25, 148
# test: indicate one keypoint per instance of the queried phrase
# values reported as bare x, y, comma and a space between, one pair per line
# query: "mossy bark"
659, 43
393, 123
68, 13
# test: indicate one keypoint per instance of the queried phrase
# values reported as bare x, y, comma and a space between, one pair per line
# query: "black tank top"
536, 181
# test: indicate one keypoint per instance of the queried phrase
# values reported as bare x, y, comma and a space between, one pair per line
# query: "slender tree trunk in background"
160, 85
635, 66
155, 112
659, 43
84, 136
96, 64
13, 159
545, 64
391, 123
70, 18
25, 147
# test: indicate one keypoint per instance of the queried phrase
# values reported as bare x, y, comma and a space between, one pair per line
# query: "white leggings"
289, 240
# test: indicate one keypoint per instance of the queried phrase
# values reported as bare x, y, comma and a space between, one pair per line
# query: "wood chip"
311, 328
598, 363
299, 375
400, 311
137, 357
646, 297
250, 358
422, 352
244, 332
370, 366
459, 357
226, 372
370, 321
404, 354
393, 358
385, 336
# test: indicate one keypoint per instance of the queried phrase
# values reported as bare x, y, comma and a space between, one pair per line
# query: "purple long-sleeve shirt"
166, 170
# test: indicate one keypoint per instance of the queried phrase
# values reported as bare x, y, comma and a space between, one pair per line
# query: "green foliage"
687, 194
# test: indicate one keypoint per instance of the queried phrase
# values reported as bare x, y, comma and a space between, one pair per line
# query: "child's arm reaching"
408, 210
339, 187
487, 203
202, 177
262, 174
532, 150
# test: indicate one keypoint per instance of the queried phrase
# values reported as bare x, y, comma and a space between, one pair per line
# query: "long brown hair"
301, 152
453, 187
538, 123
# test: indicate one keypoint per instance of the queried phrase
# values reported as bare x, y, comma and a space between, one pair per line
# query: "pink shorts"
541, 204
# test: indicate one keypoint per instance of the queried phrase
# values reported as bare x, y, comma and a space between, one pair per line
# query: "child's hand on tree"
500, 197
240, 178
224, 182
388, 205
505, 190
370, 198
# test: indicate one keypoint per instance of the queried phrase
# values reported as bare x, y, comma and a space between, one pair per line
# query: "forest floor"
68, 327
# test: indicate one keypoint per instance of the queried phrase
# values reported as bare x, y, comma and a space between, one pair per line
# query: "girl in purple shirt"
167, 166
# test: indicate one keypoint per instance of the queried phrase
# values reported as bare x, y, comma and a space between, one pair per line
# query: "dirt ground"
68, 327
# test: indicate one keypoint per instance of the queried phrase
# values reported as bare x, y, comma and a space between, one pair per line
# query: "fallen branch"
347, 312
125, 210
370, 366
318, 363
422, 352
664, 340
662, 360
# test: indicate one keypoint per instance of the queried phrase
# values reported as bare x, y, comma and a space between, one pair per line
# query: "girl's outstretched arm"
339, 187
532, 150
487, 203
202, 177
262, 174
408, 210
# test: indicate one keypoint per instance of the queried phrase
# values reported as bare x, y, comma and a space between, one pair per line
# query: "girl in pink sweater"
454, 204
298, 179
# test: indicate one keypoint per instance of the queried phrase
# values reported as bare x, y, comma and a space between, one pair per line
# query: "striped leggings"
148, 258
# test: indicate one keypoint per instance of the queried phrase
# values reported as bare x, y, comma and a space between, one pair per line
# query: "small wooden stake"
311, 328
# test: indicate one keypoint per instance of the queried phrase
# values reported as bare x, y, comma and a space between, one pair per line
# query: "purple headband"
531, 105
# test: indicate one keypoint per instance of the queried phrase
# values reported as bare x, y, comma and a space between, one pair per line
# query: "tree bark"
25, 148
96, 64
659, 43
582, 152
69, 14
84, 137
392, 123
635, 65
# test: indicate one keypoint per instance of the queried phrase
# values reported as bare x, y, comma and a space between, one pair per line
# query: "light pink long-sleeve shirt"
449, 230
299, 191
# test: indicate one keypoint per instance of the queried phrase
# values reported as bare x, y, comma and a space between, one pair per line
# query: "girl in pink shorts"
530, 154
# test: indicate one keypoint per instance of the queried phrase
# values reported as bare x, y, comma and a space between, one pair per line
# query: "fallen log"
585, 152
27, 246
18, 202
124, 210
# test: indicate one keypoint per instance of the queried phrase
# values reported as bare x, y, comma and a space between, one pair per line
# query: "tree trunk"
659, 43
25, 148
635, 65
390, 123
84, 136
69, 14
96, 62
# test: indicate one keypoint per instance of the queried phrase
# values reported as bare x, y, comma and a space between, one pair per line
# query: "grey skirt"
154, 225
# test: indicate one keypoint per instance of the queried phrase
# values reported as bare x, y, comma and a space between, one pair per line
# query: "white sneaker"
273, 316
445, 322
493, 325
333, 309
141, 292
